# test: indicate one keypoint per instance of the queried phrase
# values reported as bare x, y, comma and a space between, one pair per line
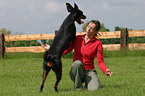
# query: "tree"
103, 28
117, 28
5, 31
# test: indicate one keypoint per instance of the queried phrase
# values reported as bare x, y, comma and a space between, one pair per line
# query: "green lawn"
21, 74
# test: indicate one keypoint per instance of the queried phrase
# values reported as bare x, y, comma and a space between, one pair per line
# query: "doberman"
61, 42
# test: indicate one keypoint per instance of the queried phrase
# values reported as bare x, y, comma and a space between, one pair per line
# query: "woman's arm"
71, 47
100, 61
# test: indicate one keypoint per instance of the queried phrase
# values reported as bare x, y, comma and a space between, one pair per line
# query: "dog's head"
78, 13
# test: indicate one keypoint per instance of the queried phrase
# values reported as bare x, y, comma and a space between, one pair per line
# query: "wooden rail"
108, 47
140, 33
28, 37
131, 46
104, 35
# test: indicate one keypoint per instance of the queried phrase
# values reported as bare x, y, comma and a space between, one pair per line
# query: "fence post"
123, 38
2, 49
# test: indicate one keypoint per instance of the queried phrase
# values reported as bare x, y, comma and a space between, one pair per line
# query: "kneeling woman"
86, 47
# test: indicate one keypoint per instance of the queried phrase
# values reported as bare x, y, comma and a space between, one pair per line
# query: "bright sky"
46, 16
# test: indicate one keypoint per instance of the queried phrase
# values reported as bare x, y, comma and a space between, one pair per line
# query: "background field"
21, 74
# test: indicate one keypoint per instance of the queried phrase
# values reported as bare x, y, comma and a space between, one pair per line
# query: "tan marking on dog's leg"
43, 79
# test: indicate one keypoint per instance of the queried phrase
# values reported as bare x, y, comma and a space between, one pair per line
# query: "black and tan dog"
65, 35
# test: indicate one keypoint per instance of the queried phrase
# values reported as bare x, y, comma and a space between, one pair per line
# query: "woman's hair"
97, 23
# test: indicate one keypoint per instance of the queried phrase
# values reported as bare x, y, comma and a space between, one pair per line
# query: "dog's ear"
69, 7
76, 7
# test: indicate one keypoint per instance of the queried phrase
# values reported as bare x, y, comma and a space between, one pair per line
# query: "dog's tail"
48, 58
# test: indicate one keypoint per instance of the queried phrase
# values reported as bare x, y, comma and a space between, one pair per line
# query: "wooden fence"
123, 35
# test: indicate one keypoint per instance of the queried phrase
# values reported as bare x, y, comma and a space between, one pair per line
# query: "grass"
21, 75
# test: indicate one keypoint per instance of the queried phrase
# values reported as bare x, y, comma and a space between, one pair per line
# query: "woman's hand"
45, 46
108, 72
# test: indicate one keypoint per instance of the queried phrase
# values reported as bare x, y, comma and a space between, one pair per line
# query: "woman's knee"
78, 63
76, 71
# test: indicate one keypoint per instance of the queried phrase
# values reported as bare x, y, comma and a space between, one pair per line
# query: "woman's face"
90, 30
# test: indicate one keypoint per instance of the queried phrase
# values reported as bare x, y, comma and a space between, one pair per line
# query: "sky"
46, 16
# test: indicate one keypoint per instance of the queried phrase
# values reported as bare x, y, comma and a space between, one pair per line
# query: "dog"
61, 42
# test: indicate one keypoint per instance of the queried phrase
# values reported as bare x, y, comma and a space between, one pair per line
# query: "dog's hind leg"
45, 73
58, 73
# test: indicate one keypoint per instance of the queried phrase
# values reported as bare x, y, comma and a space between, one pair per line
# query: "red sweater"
86, 52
